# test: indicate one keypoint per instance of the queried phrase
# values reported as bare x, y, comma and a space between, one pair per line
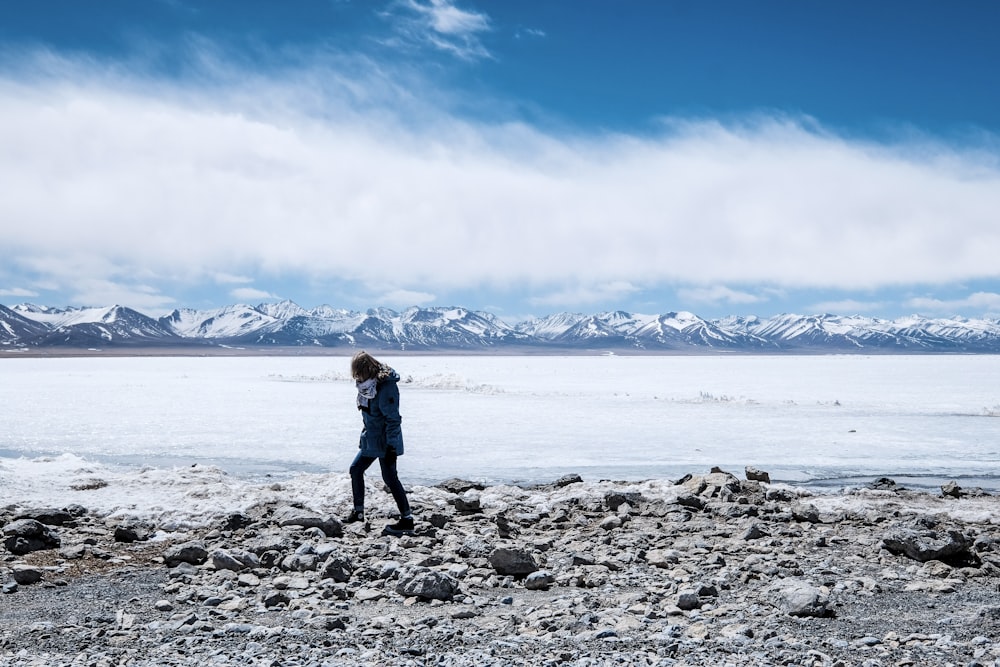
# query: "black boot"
355, 516
401, 527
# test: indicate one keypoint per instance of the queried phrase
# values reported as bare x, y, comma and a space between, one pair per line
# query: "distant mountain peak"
456, 328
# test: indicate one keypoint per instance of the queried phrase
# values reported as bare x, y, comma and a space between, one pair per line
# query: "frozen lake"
822, 420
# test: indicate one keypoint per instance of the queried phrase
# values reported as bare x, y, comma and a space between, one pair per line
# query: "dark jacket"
383, 424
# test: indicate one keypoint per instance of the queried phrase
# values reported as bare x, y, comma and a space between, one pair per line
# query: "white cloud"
522, 33
846, 306
112, 181
230, 279
98, 291
718, 294
18, 293
405, 298
442, 25
251, 294
986, 302
586, 294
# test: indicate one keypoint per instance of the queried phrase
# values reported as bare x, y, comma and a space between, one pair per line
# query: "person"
381, 437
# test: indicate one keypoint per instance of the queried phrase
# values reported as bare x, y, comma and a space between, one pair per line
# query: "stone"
338, 566
539, 580
513, 561
688, 601
25, 575
236, 561
664, 558
566, 480
951, 489
611, 522
614, 499
297, 516
427, 584
755, 475
53, 517
949, 546
193, 553
468, 503
799, 598
133, 530
24, 536
458, 486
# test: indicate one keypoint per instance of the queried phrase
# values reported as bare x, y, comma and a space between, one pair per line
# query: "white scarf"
366, 392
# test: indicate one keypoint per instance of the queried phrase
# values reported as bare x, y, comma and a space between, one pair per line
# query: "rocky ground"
711, 570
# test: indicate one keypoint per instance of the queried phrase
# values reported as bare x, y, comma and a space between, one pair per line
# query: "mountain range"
288, 325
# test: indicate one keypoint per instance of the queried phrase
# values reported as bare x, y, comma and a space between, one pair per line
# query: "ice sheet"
163, 428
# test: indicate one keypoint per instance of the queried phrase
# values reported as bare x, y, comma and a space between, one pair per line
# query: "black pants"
389, 476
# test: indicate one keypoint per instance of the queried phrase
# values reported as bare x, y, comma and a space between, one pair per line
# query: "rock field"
710, 570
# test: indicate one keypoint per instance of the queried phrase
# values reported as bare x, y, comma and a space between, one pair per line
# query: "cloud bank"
116, 183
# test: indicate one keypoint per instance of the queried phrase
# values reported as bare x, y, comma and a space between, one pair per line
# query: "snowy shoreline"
181, 492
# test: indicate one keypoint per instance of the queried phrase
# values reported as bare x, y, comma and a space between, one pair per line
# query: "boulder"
337, 566
468, 503
924, 545
54, 517
26, 535
236, 560
297, 516
133, 530
25, 575
513, 561
427, 584
539, 580
457, 486
192, 553
615, 499
799, 598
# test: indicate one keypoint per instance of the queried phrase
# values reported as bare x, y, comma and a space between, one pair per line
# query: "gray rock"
754, 532
475, 547
951, 489
25, 575
235, 561
799, 598
925, 545
805, 513
296, 516
516, 562
468, 503
276, 598
300, 563
53, 517
134, 530
337, 566
688, 601
458, 486
755, 475
427, 584
566, 480
539, 580
73, 552
26, 535
614, 499
193, 553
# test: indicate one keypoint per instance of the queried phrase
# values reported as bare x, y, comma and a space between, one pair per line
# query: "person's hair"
364, 366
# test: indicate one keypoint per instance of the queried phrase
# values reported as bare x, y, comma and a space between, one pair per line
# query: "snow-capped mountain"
15, 327
287, 325
92, 327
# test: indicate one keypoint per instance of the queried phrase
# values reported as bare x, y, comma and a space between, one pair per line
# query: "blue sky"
524, 158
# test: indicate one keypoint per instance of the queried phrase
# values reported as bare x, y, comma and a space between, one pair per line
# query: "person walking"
381, 438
